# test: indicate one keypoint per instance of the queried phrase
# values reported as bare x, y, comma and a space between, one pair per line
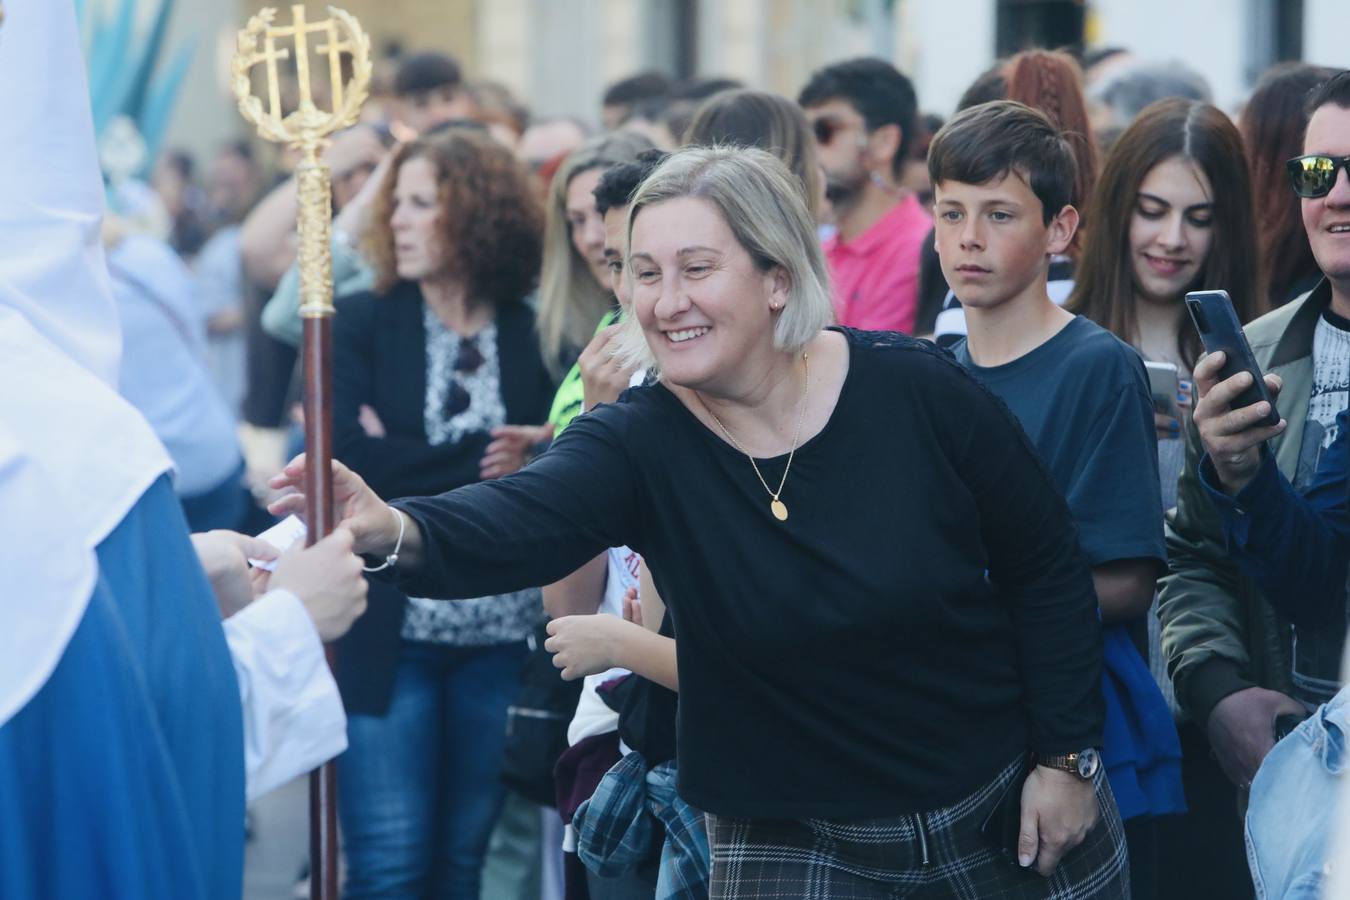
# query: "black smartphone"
1003, 825
1213, 315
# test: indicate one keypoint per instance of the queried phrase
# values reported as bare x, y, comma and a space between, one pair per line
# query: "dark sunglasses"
467, 362
825, 129
1315, 176
469, 359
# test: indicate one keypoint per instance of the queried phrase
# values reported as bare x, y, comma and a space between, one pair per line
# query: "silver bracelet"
392, 558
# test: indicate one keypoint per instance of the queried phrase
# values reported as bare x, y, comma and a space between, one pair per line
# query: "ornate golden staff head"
307, 127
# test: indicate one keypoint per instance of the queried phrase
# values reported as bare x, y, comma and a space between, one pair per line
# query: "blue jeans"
419, 788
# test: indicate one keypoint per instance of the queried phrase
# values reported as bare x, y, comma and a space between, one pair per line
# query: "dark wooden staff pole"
318, 350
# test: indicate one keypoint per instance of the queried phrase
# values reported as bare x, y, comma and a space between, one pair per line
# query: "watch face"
1088, 763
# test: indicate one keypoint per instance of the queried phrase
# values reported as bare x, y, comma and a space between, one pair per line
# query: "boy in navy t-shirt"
1002, 177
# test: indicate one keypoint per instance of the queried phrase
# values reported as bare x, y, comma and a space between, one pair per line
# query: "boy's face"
616, 240
992, 239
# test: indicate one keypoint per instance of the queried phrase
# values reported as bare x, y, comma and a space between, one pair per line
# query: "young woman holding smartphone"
1172, 213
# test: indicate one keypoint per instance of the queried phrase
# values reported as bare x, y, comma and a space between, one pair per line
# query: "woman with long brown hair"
574, 292
1272, 126
1172, 213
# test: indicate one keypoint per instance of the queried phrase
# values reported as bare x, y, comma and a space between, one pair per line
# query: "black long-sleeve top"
380, 347
923, 616
379, 343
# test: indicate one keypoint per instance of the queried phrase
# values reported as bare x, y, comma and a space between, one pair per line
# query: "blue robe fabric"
124, 775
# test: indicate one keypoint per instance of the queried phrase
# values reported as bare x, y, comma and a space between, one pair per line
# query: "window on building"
1020, 24
1274, 34
672, 30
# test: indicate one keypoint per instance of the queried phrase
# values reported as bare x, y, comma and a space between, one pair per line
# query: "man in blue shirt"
1296, 547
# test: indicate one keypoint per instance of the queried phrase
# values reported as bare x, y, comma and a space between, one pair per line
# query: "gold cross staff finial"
307, 127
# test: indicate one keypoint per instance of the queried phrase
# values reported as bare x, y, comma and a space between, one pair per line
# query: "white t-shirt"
593, 716
621, 573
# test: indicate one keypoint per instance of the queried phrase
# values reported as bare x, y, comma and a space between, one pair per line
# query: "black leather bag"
536, 725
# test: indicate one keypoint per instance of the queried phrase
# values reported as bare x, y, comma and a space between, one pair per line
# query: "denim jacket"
1293, 805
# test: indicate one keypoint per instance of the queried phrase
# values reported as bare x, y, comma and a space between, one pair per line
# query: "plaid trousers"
929, 855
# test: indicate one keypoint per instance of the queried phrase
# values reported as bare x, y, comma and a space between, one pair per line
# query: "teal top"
281, 315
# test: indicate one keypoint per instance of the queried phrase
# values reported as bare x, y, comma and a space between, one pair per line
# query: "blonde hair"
571, 301
763, 204
768, 121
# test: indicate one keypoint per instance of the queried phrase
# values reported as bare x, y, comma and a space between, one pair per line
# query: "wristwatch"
1084, 763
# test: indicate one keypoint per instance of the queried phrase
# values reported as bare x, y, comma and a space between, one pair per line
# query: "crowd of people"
749, 497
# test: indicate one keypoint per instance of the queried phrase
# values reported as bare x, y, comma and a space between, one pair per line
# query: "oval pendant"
779, 510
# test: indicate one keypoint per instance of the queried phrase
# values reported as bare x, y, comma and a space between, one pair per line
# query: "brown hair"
1104, 288
490, 218
988, 141
1051, 81
1272, 126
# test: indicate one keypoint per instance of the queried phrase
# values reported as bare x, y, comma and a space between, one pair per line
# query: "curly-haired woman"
440, 384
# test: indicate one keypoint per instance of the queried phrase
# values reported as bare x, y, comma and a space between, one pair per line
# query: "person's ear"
780, 287
1061, 230
882, 145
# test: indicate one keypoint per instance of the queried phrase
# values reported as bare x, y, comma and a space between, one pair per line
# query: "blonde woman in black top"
878, 597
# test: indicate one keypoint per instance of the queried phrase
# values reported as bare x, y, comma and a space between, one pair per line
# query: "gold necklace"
776, 506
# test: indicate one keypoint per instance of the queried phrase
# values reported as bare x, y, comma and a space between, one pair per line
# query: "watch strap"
1071, 762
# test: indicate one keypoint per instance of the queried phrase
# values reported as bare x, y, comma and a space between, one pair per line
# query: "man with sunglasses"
1252, 631
865, 118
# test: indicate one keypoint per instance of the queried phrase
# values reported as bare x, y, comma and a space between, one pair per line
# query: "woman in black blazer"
439, 383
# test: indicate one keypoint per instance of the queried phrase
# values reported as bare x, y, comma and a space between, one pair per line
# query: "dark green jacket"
1219, 635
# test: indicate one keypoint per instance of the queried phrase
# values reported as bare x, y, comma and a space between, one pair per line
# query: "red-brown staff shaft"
318, 380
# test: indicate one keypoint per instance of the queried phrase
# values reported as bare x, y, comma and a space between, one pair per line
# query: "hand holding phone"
1220, 332
1235, 412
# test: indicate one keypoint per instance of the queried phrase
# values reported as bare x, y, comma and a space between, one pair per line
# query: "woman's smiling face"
704, 305
1171, 229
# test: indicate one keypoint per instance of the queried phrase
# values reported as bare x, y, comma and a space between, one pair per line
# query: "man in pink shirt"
865, 118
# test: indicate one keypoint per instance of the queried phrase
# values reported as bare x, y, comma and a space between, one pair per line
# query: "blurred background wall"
559, 54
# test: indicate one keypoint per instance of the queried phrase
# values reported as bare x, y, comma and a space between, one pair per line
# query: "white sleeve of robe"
293, 715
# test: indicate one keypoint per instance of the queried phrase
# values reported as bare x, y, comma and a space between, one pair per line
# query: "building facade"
559, 54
